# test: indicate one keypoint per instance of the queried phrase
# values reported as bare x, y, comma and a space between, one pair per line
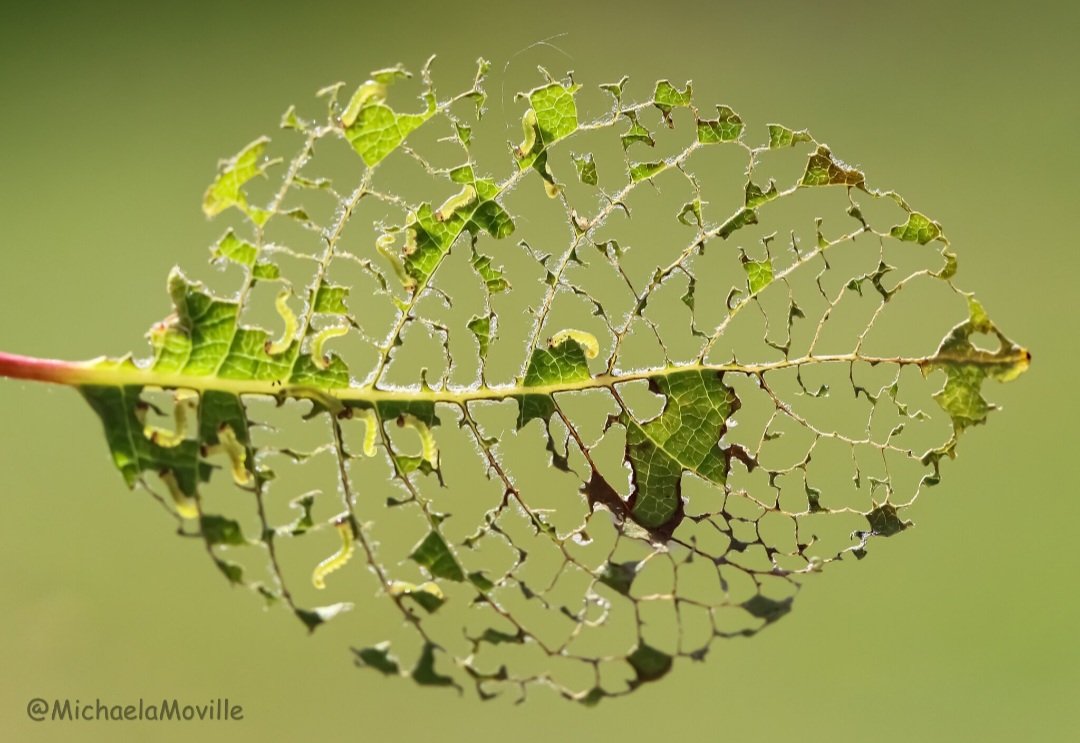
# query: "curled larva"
185, 402
528, 128
587, 341
371, 431
339, 558
428, 448
370, 92
186, 505
385, 246
317, 356
237, 454
281, 345
460, 200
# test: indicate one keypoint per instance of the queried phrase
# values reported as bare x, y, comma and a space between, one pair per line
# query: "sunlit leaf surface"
559, 417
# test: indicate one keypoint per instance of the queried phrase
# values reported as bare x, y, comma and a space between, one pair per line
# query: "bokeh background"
114, 116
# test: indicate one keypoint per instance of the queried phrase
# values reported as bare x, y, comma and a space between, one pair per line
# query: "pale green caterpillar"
237, 454
385, 245
337, 560
410, 233
428, 448
460, 200
185, 402
371, 431
528, 126
321, 360
587, 341
186, 506
370, 91
282, 344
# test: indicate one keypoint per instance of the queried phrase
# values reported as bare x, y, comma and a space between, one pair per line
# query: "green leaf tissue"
554, 401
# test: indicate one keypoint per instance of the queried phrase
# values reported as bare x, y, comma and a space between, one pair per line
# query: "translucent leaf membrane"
559, 418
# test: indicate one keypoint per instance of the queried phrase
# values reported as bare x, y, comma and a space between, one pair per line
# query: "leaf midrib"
100, 372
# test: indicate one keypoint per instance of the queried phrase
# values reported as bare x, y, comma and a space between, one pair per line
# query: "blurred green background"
113, 118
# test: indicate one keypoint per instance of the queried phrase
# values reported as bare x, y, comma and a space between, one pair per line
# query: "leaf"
636, 133
374, 129
586, 168
918, 228
966, 367
435, 555
644, 171
227, 190
822, 169
538, 449
377, 657
759, 274
781, 136
649, 663
552, 116
682, 438
667, 97
726, 127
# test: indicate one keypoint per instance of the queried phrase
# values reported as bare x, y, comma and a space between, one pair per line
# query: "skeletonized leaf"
608, 448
